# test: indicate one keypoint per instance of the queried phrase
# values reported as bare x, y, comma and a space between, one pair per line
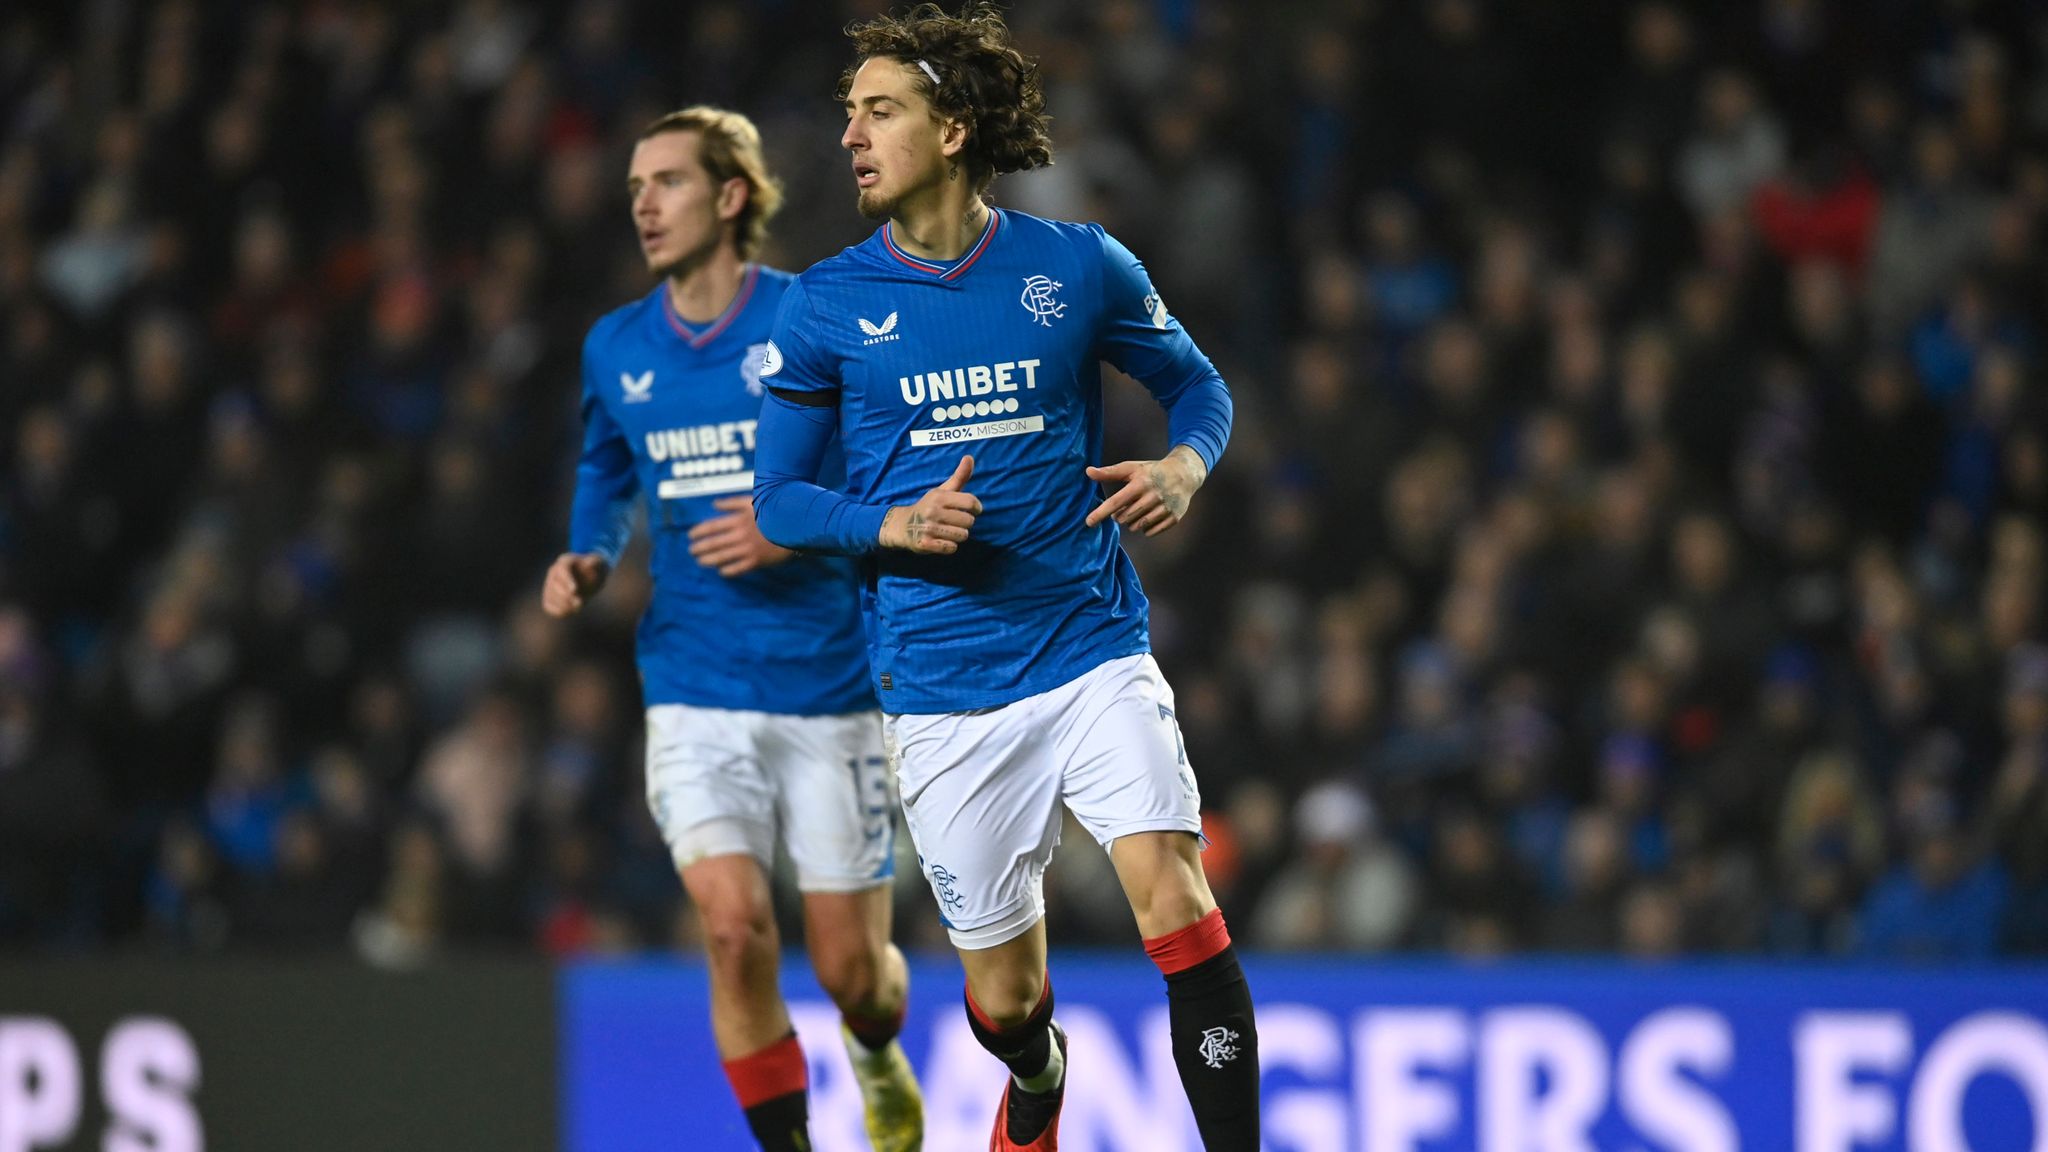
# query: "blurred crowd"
1632, 538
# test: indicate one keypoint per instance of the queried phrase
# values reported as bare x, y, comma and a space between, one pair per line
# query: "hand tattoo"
1173, 498
913, 531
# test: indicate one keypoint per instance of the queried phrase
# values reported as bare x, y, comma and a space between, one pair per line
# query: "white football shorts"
982, 790
722, 782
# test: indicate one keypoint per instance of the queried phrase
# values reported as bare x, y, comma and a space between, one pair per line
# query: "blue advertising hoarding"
1550, 1056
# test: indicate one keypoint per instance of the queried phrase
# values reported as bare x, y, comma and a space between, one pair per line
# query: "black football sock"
773, 1086
782, 1123
1216, 1047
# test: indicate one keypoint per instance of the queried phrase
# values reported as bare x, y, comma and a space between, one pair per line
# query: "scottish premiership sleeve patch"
1156, 309
754, 365
771, 361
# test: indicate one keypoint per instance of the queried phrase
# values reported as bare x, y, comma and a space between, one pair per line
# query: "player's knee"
1009, 998
1172, 902
1165, 883
852, 977
1170, 907
738, 937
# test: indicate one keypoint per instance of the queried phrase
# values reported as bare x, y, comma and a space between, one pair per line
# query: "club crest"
1038, 299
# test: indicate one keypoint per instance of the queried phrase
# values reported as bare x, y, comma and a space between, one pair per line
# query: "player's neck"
944, 229
702, 292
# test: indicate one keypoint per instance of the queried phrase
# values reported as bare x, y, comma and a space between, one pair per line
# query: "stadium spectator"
1350, 891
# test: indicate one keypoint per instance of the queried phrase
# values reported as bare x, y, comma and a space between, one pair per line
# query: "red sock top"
1182, 950
876, 1031
777, 1070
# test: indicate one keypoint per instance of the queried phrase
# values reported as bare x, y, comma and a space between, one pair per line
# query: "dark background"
324, 1055
1631, 539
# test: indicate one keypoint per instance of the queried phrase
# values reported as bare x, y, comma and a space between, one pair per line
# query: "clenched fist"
572, 580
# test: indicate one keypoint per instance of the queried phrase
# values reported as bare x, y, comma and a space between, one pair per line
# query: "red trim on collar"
988, 233
725, 318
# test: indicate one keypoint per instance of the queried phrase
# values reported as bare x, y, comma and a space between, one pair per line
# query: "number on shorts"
1180, 746
871, 791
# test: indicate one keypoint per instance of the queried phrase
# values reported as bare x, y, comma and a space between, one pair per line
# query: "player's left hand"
1153, 495
733, 543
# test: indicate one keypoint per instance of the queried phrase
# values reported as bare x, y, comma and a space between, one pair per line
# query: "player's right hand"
572, 579
940, 520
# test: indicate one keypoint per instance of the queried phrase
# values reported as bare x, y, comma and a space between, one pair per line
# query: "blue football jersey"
670, 411
995, 355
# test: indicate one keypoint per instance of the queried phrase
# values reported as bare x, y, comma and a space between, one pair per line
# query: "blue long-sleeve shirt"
670, 411
915, 363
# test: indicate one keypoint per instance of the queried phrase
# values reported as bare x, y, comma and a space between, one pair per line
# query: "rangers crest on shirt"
1038, 299
996, 354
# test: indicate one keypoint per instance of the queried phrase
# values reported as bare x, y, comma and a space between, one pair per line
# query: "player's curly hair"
731, 147
982, 80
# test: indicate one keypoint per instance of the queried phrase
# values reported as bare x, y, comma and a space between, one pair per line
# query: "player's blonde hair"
730, 146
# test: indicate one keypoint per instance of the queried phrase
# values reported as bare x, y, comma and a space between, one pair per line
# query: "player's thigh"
706, 784
1162, 877
833, 798
1125, 766
840, 921
981, 797
847, 936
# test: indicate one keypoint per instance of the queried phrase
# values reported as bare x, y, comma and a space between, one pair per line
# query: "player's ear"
732, 198
953, 136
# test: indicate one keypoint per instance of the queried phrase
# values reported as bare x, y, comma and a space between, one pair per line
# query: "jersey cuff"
866, 526
1200, 417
